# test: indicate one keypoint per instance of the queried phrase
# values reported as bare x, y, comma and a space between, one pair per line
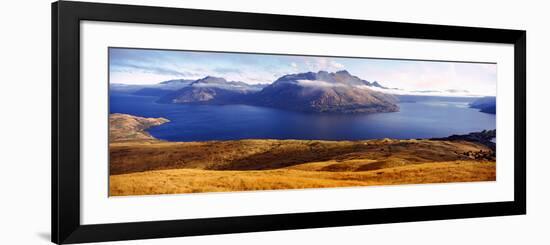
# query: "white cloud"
337, 65
478, 79
139, 77
144, 68
322, 64
319, 83
425, 93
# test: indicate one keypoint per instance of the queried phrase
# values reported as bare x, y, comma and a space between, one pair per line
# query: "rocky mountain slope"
338, 92
211, 90
321, 92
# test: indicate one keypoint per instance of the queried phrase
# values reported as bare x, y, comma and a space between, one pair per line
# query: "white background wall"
25, 121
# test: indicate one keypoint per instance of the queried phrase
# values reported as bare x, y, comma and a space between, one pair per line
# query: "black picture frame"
66, 18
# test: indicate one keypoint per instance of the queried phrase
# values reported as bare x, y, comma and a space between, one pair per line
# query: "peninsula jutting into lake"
188, 121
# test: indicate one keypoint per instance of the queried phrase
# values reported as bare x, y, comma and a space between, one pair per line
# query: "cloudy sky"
141, 66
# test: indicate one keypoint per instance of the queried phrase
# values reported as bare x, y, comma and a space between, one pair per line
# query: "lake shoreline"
430, 118
144, 165
484, 137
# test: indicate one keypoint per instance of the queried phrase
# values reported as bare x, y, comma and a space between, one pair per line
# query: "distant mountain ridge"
178, 81
150, 89
485, 104
322, 92
218, 82
210, 90
338, 92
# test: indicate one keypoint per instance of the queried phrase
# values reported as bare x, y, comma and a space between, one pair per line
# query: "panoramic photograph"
203, 121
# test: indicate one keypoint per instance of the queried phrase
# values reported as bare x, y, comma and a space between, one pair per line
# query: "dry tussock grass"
296, 177
128, 157
140, 164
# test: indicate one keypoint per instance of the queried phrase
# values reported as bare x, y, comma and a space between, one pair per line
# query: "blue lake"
425, 119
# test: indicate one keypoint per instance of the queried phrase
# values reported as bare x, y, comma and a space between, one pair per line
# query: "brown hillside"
140, 164
128, 157
123, 127
196, 180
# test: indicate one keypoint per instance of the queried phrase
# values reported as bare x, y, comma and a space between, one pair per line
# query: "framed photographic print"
176, 122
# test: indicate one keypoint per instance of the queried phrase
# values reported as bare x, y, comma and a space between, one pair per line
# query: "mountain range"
326, 92
211, 90
149, 89
486, 104
338, 92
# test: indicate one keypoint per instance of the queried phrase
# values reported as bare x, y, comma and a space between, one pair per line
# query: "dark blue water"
427, 119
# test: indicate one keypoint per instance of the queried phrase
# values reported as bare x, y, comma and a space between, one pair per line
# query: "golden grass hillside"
127, 157
143, 165
197, 180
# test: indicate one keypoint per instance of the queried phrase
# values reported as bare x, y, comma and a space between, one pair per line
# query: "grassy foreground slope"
149, 166
196, 180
